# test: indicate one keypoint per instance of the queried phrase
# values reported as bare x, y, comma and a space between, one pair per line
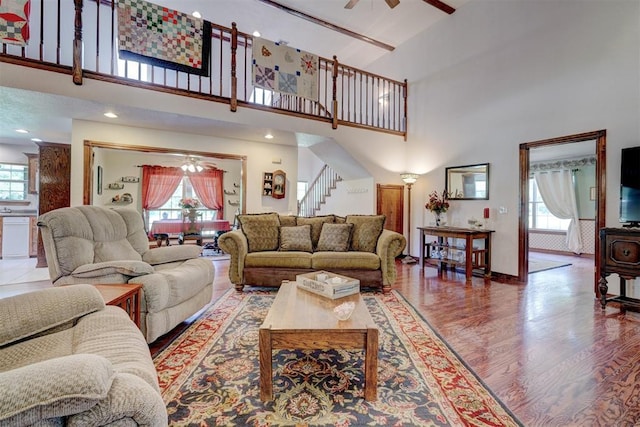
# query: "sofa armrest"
235, 244
130, 398
53, 388
390, 245
25, 315
168, 254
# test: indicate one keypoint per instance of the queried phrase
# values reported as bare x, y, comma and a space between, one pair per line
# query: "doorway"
600, 195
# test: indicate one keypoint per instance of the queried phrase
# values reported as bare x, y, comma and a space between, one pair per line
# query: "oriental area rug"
209, 375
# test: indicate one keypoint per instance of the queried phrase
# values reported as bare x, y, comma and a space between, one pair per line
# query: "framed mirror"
470, 182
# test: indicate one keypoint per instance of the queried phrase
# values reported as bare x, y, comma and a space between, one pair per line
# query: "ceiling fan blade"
392, 3
350, 4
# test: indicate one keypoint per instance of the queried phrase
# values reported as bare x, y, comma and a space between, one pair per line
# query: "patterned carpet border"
209, 374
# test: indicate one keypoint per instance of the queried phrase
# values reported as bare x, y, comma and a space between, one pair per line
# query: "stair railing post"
78, 54
234, 78
334, 78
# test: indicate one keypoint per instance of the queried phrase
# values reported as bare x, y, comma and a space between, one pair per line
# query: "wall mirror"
469, 182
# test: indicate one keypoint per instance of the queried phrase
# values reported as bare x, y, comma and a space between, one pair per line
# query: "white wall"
496, 74
355, 196
259, 157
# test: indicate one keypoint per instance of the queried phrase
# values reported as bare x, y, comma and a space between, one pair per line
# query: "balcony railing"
80, 39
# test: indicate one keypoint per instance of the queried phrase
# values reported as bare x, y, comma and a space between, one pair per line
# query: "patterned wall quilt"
14, 21
284, 69
160, 36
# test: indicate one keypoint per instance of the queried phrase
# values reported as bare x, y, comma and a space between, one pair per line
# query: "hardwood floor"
546, 349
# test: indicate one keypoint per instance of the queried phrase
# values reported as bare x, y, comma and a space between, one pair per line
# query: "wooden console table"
451, 254
620, 254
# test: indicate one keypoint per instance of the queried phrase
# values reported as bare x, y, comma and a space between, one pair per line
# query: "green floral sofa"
269, 248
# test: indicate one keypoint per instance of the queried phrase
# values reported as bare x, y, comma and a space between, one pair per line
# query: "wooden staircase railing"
318, 191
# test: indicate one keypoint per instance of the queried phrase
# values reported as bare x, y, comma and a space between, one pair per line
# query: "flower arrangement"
437, 203
189, 203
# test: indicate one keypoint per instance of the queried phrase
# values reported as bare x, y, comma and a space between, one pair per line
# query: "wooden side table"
125, 295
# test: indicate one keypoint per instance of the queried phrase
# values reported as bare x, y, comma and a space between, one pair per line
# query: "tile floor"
13, 271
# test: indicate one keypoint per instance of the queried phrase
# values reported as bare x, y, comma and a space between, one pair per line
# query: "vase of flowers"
189, 205
437, 204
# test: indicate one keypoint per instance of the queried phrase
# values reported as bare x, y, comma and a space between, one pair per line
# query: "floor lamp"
409, 179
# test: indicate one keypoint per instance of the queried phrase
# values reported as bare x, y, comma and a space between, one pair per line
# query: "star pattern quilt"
14, 21
284, 69
156, 35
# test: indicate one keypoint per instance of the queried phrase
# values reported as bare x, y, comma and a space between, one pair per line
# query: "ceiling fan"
390, 3
194, 163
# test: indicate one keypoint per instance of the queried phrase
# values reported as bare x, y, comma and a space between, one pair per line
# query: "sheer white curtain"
558, 193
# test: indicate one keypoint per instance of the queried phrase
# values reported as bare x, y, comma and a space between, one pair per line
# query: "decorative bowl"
344, 310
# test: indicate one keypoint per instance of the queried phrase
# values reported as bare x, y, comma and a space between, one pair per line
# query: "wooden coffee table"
301, 320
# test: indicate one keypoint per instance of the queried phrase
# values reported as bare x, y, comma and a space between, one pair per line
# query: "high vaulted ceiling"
49, 117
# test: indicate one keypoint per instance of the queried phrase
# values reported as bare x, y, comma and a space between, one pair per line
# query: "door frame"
600, 137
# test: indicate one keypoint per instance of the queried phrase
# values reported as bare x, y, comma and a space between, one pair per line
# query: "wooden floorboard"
546, 349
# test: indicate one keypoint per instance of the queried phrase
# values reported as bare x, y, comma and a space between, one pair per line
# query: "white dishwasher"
15, 237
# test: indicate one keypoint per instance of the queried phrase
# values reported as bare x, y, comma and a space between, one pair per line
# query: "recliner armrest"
168, 254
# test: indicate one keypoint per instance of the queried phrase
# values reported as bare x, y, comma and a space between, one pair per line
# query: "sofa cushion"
53, 388
128, 268
275, 259
288, 220
316, 226
346, 260
366, 230
335, 237
261, 230
296, 238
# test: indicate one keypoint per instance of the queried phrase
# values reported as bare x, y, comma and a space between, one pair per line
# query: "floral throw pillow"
296, 238
335, 237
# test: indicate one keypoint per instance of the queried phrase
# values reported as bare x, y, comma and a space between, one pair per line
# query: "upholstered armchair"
92, 244
66, 359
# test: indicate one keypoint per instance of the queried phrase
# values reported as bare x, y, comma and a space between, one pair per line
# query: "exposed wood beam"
329, 25
440, 5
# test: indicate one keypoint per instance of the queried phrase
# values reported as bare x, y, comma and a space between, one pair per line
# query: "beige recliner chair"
91, 244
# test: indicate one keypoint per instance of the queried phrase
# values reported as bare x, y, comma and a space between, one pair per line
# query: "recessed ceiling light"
268, 136
196, 14
22, 131
111, 115
36, 139
256, 33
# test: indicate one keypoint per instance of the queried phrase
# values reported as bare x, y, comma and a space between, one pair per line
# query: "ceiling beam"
331, 26
440, 5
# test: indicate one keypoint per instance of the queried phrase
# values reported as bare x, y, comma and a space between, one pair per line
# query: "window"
261, 96
172, 209
302, 189
539, 216
13, 182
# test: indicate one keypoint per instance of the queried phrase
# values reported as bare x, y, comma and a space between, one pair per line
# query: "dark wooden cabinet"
619, 254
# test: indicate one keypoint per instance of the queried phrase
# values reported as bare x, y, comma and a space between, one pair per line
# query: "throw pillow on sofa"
366, 230
296, 238
262, 231
316, 225
335, 237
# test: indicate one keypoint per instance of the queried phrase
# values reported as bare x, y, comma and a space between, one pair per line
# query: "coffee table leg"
266, 374
371, 366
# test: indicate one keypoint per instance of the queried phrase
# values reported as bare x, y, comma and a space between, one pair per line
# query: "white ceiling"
49, 116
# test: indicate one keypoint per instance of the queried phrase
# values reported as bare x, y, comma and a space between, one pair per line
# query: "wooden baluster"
334, 122
77, 42
234, 78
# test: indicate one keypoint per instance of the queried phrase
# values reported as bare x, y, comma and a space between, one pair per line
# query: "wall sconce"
409, 179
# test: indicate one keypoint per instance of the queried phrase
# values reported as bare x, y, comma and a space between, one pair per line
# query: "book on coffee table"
327, 284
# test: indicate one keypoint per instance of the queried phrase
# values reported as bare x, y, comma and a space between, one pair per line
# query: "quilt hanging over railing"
284, 69
156, 35
14, 21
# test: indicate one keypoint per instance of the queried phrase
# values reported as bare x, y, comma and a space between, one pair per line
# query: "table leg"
603, 291
266, 373
371, 365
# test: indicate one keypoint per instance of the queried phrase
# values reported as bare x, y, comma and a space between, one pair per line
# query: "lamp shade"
409, 178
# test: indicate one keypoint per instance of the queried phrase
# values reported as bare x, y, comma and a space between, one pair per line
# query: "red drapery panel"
208, 187
158, 184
